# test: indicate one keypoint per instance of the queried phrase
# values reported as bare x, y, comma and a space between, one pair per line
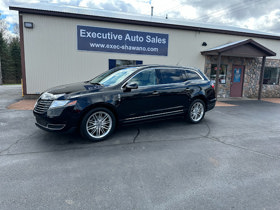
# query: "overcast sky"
260, 15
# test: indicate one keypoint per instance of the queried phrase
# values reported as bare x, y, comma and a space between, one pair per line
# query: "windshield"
112, 77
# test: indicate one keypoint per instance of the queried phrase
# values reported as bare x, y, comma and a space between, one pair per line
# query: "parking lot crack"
241, 147
209, 130
13, 144
207, 136
137, 134
9, 147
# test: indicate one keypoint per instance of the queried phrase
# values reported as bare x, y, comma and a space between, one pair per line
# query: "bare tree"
16, 29
3, 25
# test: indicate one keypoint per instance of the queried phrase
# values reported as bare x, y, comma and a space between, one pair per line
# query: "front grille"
42, 106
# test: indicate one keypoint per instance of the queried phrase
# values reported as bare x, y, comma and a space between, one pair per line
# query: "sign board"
121, 41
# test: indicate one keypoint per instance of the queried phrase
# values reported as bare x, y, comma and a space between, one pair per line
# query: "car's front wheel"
98, 124
196, 111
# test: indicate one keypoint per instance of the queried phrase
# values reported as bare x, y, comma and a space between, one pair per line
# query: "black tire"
98, 124
196, 111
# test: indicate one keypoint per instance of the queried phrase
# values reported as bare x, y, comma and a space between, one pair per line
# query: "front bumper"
51, 127
61, 119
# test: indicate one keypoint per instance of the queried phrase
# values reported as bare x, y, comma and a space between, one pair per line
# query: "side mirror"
131, 86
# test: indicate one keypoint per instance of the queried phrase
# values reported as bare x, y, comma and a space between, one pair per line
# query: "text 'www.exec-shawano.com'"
123, 47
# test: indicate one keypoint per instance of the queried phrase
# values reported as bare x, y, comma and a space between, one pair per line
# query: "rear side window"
191, 75
167, 76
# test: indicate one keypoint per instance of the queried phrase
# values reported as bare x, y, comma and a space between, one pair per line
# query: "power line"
233, 8
178, 5
230, 9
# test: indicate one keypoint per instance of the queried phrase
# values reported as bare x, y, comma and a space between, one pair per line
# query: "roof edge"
233, 45
139, 22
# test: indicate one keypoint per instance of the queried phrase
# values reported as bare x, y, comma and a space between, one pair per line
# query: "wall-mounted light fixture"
28, 25
204, 44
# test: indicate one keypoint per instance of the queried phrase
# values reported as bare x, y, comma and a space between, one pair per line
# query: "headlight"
50, 96
61, 103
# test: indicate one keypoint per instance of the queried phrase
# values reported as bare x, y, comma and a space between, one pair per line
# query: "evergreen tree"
9, 55
5, 58
15, 65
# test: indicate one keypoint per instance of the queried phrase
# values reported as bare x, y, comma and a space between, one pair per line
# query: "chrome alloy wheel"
99, 124
197, 111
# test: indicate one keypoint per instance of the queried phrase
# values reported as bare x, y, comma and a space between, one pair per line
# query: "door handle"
188, 89
155, 93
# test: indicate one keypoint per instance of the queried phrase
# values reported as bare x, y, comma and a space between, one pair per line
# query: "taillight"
213, 86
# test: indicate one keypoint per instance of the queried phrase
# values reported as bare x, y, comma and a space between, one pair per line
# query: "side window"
222, 73
167, 76
191, 75
144, 78
118, 62
271, 75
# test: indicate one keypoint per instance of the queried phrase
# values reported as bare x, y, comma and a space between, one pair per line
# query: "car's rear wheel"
196, 111
98, 124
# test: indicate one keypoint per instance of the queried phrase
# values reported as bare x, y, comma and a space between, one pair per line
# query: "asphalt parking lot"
231, 160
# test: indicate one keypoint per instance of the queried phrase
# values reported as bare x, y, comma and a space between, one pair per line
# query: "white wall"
52, 58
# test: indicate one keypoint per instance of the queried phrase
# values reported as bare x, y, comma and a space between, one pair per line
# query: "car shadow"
171, 129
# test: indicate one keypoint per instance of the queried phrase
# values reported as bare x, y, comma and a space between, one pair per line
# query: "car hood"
74, 89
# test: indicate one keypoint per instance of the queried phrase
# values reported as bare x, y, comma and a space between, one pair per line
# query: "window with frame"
144, 78
222, 73
191, 75
271, 76
167, 76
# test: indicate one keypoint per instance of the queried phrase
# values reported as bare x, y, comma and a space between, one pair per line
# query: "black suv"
123, 95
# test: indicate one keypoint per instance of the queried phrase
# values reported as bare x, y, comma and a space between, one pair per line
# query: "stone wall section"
271, 91
251, 76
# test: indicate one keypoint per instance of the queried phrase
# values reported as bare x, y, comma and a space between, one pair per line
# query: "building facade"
66, 45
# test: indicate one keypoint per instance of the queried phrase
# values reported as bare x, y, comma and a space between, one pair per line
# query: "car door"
140, 103
173, 90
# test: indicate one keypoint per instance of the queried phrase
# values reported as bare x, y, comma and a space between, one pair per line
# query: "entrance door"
236, 86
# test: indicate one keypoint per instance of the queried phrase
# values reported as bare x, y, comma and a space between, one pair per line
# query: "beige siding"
52, 58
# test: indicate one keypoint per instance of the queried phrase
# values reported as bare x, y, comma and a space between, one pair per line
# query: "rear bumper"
211, 104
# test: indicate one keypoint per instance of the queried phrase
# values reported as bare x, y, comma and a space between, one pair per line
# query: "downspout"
23, 72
